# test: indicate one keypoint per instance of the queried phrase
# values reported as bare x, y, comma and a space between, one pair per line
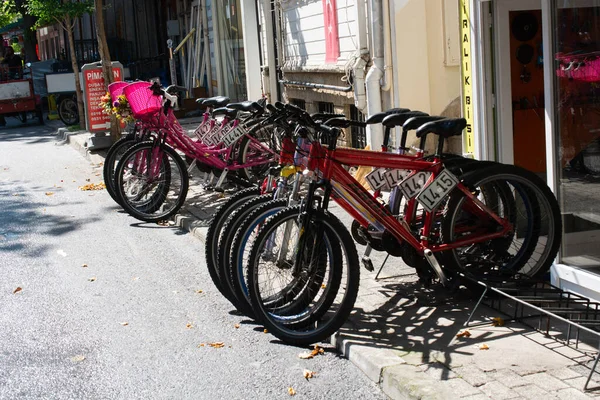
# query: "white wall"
304, 40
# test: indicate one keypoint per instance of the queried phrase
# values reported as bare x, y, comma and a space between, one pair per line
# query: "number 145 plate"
436, 191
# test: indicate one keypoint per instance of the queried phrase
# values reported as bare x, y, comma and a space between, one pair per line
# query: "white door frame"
502, 9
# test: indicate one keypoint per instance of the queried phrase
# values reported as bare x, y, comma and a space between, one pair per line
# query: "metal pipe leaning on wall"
317, 86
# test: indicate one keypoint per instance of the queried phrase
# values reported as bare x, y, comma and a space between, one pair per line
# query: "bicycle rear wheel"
249, 151
524, 253
152, 181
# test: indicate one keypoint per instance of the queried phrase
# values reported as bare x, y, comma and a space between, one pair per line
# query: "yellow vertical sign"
466, 62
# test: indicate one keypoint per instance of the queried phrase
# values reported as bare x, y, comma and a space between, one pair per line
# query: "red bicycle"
303, 271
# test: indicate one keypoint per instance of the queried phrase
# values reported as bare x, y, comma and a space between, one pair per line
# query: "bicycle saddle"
228, 112
445, 128
394, 120
219, 101
247, 106
200, 100
417, 122
377, 118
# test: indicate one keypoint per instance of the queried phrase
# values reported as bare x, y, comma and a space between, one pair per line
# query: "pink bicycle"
152, 179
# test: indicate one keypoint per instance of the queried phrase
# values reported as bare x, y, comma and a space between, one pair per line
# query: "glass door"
576, 37
230, 36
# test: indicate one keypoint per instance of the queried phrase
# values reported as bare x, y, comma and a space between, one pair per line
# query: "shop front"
533, 89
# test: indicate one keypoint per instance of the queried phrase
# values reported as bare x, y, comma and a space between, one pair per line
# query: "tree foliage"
8, 12
50, 12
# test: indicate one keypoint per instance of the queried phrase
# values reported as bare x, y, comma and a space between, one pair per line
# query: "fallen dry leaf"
78, 358
135, 278
318, 350
49, 193
306, 355
97, 174
217, 345
87, 180
497, 321
464, 333
163, 223
124, 323
484, 347
291, 391
16, 194
84, 266
92, 279
17, 290
189, 326
201, 345
309, 374
92, 186
323, 286
265, 331
237, 326
199, 291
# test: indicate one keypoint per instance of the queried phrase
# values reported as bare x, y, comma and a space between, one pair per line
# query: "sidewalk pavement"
404, 336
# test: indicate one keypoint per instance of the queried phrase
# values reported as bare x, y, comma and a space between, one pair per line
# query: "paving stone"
546, 381
564, 373
460, 387
497, 390
579, 383
508, 377
533, 392
580, 369
438, 371
476, 397
571, 394
473, 375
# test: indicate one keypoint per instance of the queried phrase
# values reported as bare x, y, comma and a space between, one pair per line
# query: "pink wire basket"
142, 101
116, 89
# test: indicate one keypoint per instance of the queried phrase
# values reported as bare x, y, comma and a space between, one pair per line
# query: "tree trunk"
29, 36
78, 91
106, 62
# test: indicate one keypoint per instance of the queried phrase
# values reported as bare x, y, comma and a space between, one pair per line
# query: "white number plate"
436, 191
395, 176
376, 178
413, 185
233, 135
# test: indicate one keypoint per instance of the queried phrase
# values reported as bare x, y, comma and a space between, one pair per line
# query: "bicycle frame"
365, 208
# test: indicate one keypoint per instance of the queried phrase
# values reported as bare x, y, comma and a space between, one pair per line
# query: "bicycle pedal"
368, 264
219, 189
209, 188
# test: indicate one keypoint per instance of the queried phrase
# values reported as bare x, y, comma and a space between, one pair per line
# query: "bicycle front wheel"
151, 181
303, 295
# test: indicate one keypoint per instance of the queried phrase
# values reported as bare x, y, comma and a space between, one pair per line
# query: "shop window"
299, 103
577, 77
359, 135
325, 107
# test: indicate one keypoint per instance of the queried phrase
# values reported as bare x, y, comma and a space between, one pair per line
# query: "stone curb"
78, 140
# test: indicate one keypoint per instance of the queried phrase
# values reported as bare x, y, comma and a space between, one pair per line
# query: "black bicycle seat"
416, 122
247, 106
219, 101
200, 100
445, 128
394, 120
379, 117
228, 112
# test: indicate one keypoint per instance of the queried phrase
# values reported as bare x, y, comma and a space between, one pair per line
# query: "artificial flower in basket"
119, 108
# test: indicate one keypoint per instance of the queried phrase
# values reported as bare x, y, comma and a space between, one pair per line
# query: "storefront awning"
13, 26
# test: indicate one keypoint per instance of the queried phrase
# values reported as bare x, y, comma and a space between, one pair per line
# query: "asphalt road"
110, 308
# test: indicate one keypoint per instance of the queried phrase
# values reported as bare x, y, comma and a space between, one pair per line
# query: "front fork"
305, 218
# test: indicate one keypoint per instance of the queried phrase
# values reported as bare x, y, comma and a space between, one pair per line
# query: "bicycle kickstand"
218, 186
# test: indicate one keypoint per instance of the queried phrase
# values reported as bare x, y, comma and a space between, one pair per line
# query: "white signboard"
14, 90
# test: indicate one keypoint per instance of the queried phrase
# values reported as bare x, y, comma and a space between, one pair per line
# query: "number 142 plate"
436, 191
